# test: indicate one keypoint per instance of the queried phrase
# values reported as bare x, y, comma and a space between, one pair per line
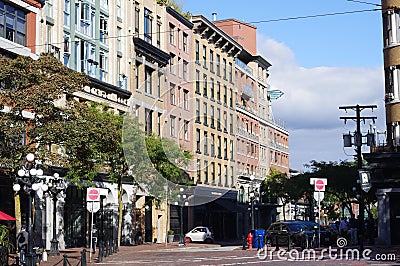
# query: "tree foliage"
31, 95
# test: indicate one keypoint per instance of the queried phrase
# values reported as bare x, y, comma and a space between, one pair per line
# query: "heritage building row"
193, 80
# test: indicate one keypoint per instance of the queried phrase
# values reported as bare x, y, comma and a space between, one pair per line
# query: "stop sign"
319, 185
93, 194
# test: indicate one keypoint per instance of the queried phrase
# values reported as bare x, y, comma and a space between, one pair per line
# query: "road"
233, 255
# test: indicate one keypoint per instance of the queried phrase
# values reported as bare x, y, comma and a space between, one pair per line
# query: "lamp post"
56, 187
182, 202
28, 177
252, 195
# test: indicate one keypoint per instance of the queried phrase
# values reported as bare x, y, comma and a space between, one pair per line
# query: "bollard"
83, 257
65, 260
112, 247
116, 247
289, 244
277, 244
258, 242
244, 243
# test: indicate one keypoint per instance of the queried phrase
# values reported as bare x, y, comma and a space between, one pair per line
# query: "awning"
6, 217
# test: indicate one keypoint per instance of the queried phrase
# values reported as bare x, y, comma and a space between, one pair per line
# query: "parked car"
298, 233
199, 234
328, 236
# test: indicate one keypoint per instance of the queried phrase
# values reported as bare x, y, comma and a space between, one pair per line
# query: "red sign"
93, 194
319, 185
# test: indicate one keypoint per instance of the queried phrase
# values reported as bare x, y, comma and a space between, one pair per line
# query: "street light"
252, 195
56, 187
182, 202
28, 178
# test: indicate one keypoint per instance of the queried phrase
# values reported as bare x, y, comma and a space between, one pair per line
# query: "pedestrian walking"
353, 228
343, 227
94, 238
22, 244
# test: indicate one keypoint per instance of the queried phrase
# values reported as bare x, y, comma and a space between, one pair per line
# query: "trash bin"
258, 238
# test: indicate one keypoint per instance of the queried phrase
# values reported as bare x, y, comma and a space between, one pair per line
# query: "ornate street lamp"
252, 196
183, 201
56, 187
29, 178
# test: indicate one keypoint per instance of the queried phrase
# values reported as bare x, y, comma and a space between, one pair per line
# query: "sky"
320, 63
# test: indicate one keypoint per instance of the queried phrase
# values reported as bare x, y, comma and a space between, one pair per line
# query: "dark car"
328, 236
295, 234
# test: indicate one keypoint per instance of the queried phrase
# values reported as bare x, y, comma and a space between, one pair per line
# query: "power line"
316, 16
362, 2
252, 22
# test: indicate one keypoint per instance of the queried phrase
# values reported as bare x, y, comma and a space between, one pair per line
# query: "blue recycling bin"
258, 238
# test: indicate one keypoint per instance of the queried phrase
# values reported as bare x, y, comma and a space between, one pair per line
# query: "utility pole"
358, 143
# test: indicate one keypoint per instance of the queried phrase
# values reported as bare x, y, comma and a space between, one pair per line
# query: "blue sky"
319, 63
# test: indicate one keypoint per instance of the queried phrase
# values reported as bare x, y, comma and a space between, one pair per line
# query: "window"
185, 42
230, 72
49, 8
231, 98
206, 171
185, 70
198, 169
219, 148
205, 113
219, 174
225, 149
212, 116
103, 30
218, 65
186, 99
231, 150
197, 81
103, 64
147, 25
148, 126
172, 126
119, 41
205, 142
172, 93
218, 119
198, 140
186, 130
197, 110
204, 56
172, 34
205, 85
119, 9
225, 122
212, 88
232, 181
158, 32
212, 145
67, 12
172, 63
197, 47
12, 23
225, 95
148, 82
224, 68
211, 61
159, 80
218, 91
137, 17
231, 124
213, 172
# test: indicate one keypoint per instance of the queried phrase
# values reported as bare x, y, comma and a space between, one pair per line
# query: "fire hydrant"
250, 240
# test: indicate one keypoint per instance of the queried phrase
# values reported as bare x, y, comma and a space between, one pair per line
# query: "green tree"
33, 97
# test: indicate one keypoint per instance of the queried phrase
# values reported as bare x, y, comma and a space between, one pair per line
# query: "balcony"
243, 66
243, 133
247, 92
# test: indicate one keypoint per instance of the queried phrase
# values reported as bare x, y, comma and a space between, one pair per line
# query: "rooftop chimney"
214, 16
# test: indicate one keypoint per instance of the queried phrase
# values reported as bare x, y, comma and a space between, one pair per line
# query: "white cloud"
310, 105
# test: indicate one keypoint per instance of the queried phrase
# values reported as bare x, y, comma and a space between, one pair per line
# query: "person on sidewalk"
353, 228
22, 244
343, 227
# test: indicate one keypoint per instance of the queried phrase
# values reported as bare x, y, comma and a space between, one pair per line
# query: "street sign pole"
91, 233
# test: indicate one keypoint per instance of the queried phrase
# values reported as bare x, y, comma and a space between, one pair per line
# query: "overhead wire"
251, 22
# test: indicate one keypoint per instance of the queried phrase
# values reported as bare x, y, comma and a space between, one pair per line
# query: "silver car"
199, 234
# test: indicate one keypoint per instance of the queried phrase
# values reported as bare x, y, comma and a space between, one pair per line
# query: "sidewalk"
73, 254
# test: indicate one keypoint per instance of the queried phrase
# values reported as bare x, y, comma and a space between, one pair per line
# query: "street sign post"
319, 188
93, 205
